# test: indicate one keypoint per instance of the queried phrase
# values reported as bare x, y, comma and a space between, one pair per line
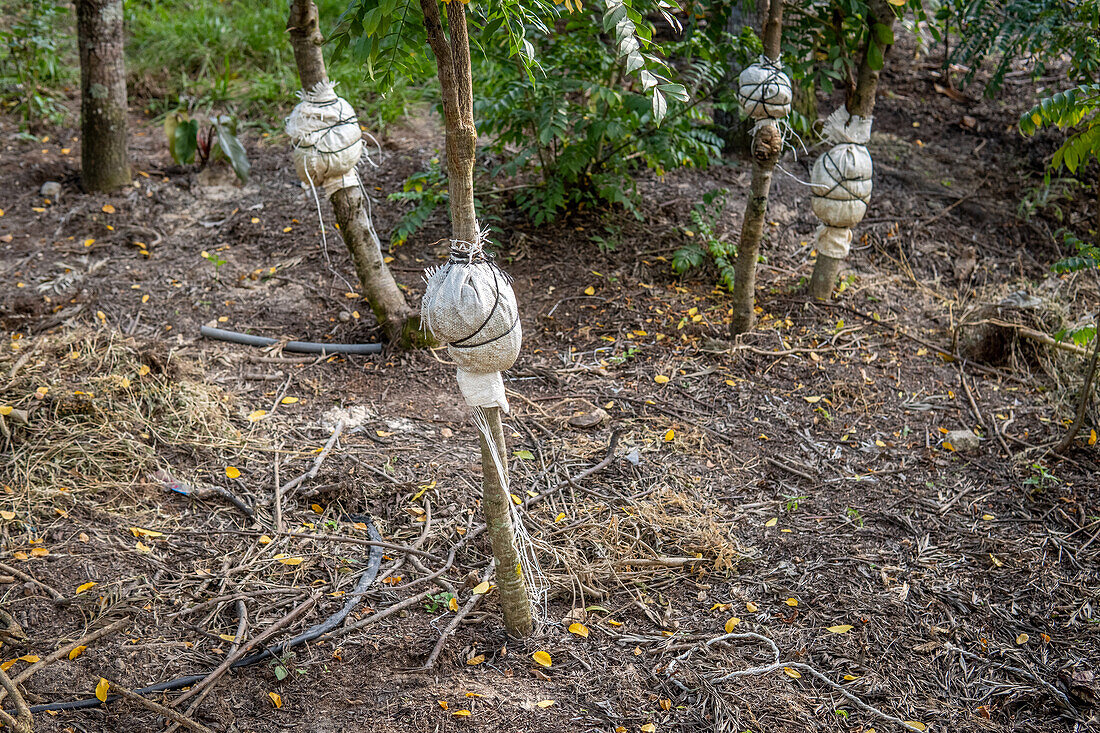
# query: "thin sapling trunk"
861, 102
452, 57
399, 322
766, 147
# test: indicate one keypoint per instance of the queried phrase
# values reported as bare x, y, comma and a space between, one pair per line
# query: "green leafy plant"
705, 241
421, 194
1074, 110
205, 138
31, 67
438, 602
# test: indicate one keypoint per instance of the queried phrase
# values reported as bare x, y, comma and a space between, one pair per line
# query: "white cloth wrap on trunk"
841, 183
763, 90
328, 142
833, 242
469, 304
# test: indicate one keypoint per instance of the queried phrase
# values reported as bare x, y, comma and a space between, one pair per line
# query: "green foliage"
1086, 257
421, 193
824, 42
235, 54
583, 126
207, 138
1004, 31
32, 68
706, 241
437, 602
1073, 108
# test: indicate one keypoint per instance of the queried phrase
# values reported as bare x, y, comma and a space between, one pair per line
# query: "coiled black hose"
374, 562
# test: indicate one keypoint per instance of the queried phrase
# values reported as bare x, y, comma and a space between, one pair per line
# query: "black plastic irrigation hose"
301, 347
374, 562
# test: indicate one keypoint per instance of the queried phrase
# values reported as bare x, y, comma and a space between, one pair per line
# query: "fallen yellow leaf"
915, 723
842, 629
7, 515
317, 508
101, 689
772, 522
579, 629
670, 435
77, 651
139, 532
660, 379
1022, 639
232, 472
256, 415
542, 658
792, 673
731, 624
544, 703
481, 588
288, 560
443, 704
792, 602
751, 607
85, 586
462, 713
648, 728
289, 400
590, 290
453, 604
108, 209
474, 661
276, 699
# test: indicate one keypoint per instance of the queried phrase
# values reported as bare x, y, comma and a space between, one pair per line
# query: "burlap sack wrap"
469, 305
764, 91
328, 142
841, 182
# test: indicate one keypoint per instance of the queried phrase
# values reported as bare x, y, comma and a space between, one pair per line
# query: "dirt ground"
798, 479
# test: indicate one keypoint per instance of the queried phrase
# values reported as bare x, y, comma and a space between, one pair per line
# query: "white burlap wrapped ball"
327, 140
469, 304
841, 184
833, 242
764, 91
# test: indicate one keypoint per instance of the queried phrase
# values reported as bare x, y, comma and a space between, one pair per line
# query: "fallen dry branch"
295, 483
57, 596
156, 707
244, 648
462, 613
22, 722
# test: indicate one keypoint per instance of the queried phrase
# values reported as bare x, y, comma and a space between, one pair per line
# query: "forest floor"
797, 479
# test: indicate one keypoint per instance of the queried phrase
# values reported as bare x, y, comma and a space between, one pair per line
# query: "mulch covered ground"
795, 484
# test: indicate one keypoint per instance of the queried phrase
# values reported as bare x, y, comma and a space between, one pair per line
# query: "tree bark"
104, 163
860, 101
452, 56
399, 322
766, 148
496, 503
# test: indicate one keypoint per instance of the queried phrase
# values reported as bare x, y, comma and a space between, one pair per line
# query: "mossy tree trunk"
400, 322
452, 56
766, 147
104, 163
861, 102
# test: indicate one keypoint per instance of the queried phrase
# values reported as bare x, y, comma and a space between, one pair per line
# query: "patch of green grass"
235, 54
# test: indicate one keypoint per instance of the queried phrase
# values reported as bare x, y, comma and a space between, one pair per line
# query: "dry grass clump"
95, 411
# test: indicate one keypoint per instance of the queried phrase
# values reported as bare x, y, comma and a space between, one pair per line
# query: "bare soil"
797, 479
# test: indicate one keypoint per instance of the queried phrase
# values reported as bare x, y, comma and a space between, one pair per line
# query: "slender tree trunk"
452, 56
496, 503
766, 148
861, 101
104, 164
400, 323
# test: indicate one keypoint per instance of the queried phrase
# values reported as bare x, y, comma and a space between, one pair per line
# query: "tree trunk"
400, 323
104, 164
735, 129
496, 503
765, 153
861, 101
452, 58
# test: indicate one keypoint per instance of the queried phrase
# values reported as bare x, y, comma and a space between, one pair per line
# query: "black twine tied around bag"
767, 88
843, 182
467, 254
